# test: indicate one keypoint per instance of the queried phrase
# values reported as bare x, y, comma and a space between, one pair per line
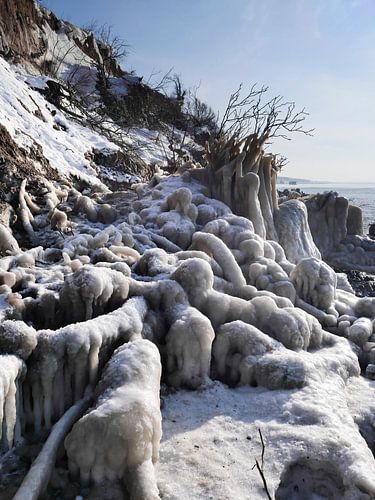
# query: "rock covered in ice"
243, 355
176, 218
315, 283
17, 338
328, 214
213, 246
188, 347
360, 331
95, 211
91, 290
294, 328
66, 360
294, 231
8, 244
354, 223
337, 229
119, 437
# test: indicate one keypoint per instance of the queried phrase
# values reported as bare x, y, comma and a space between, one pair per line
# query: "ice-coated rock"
294, 232
119, 437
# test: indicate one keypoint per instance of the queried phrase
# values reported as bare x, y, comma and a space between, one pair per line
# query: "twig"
265, 487
263, 448
260, 467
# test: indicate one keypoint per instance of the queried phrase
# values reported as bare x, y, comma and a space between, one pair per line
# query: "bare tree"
249, 123
160, 82
266, 118
104, 33
179, 92
112, 50
280, 162
200, 114
239, 112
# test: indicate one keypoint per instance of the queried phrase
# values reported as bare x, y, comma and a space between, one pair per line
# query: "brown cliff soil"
18, 29
17, 164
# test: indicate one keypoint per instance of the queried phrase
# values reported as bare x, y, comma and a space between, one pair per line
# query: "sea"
360, 194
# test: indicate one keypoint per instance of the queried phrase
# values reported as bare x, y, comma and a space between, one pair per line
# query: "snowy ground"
211, 439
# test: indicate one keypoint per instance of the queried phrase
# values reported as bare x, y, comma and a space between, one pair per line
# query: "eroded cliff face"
33, 36
17, 164
20, 23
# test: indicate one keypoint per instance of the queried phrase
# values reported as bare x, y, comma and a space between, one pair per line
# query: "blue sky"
319, 53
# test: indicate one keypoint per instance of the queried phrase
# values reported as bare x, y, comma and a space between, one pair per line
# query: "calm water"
362, 195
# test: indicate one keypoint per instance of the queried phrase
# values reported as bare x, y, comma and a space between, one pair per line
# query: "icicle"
12, 370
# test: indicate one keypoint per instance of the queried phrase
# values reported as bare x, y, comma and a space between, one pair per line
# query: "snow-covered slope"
66, 143
29, 118
50, 75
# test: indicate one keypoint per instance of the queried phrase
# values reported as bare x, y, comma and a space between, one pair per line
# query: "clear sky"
319, 53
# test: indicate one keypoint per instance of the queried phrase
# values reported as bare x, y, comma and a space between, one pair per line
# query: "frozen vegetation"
155, 341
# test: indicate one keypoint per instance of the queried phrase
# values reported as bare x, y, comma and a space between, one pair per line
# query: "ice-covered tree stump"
245, 181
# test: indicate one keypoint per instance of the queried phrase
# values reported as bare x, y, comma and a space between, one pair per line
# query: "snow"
206, 451
112, 175
62, 49
35, 82
65, 142
211, 439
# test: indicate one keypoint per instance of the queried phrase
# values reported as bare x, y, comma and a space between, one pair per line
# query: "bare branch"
260, 467
119, 48
265, 486
280, 162
264, 118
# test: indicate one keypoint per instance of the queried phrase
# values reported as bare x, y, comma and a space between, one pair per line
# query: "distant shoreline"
298, 182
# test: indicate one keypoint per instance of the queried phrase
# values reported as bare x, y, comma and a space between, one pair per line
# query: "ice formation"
338, 232
89, 291
12, 372
243, 355
119, 437
231, 289
294, 232
188, 345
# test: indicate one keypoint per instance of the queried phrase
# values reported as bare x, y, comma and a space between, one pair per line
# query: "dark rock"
362, 283
370, 372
